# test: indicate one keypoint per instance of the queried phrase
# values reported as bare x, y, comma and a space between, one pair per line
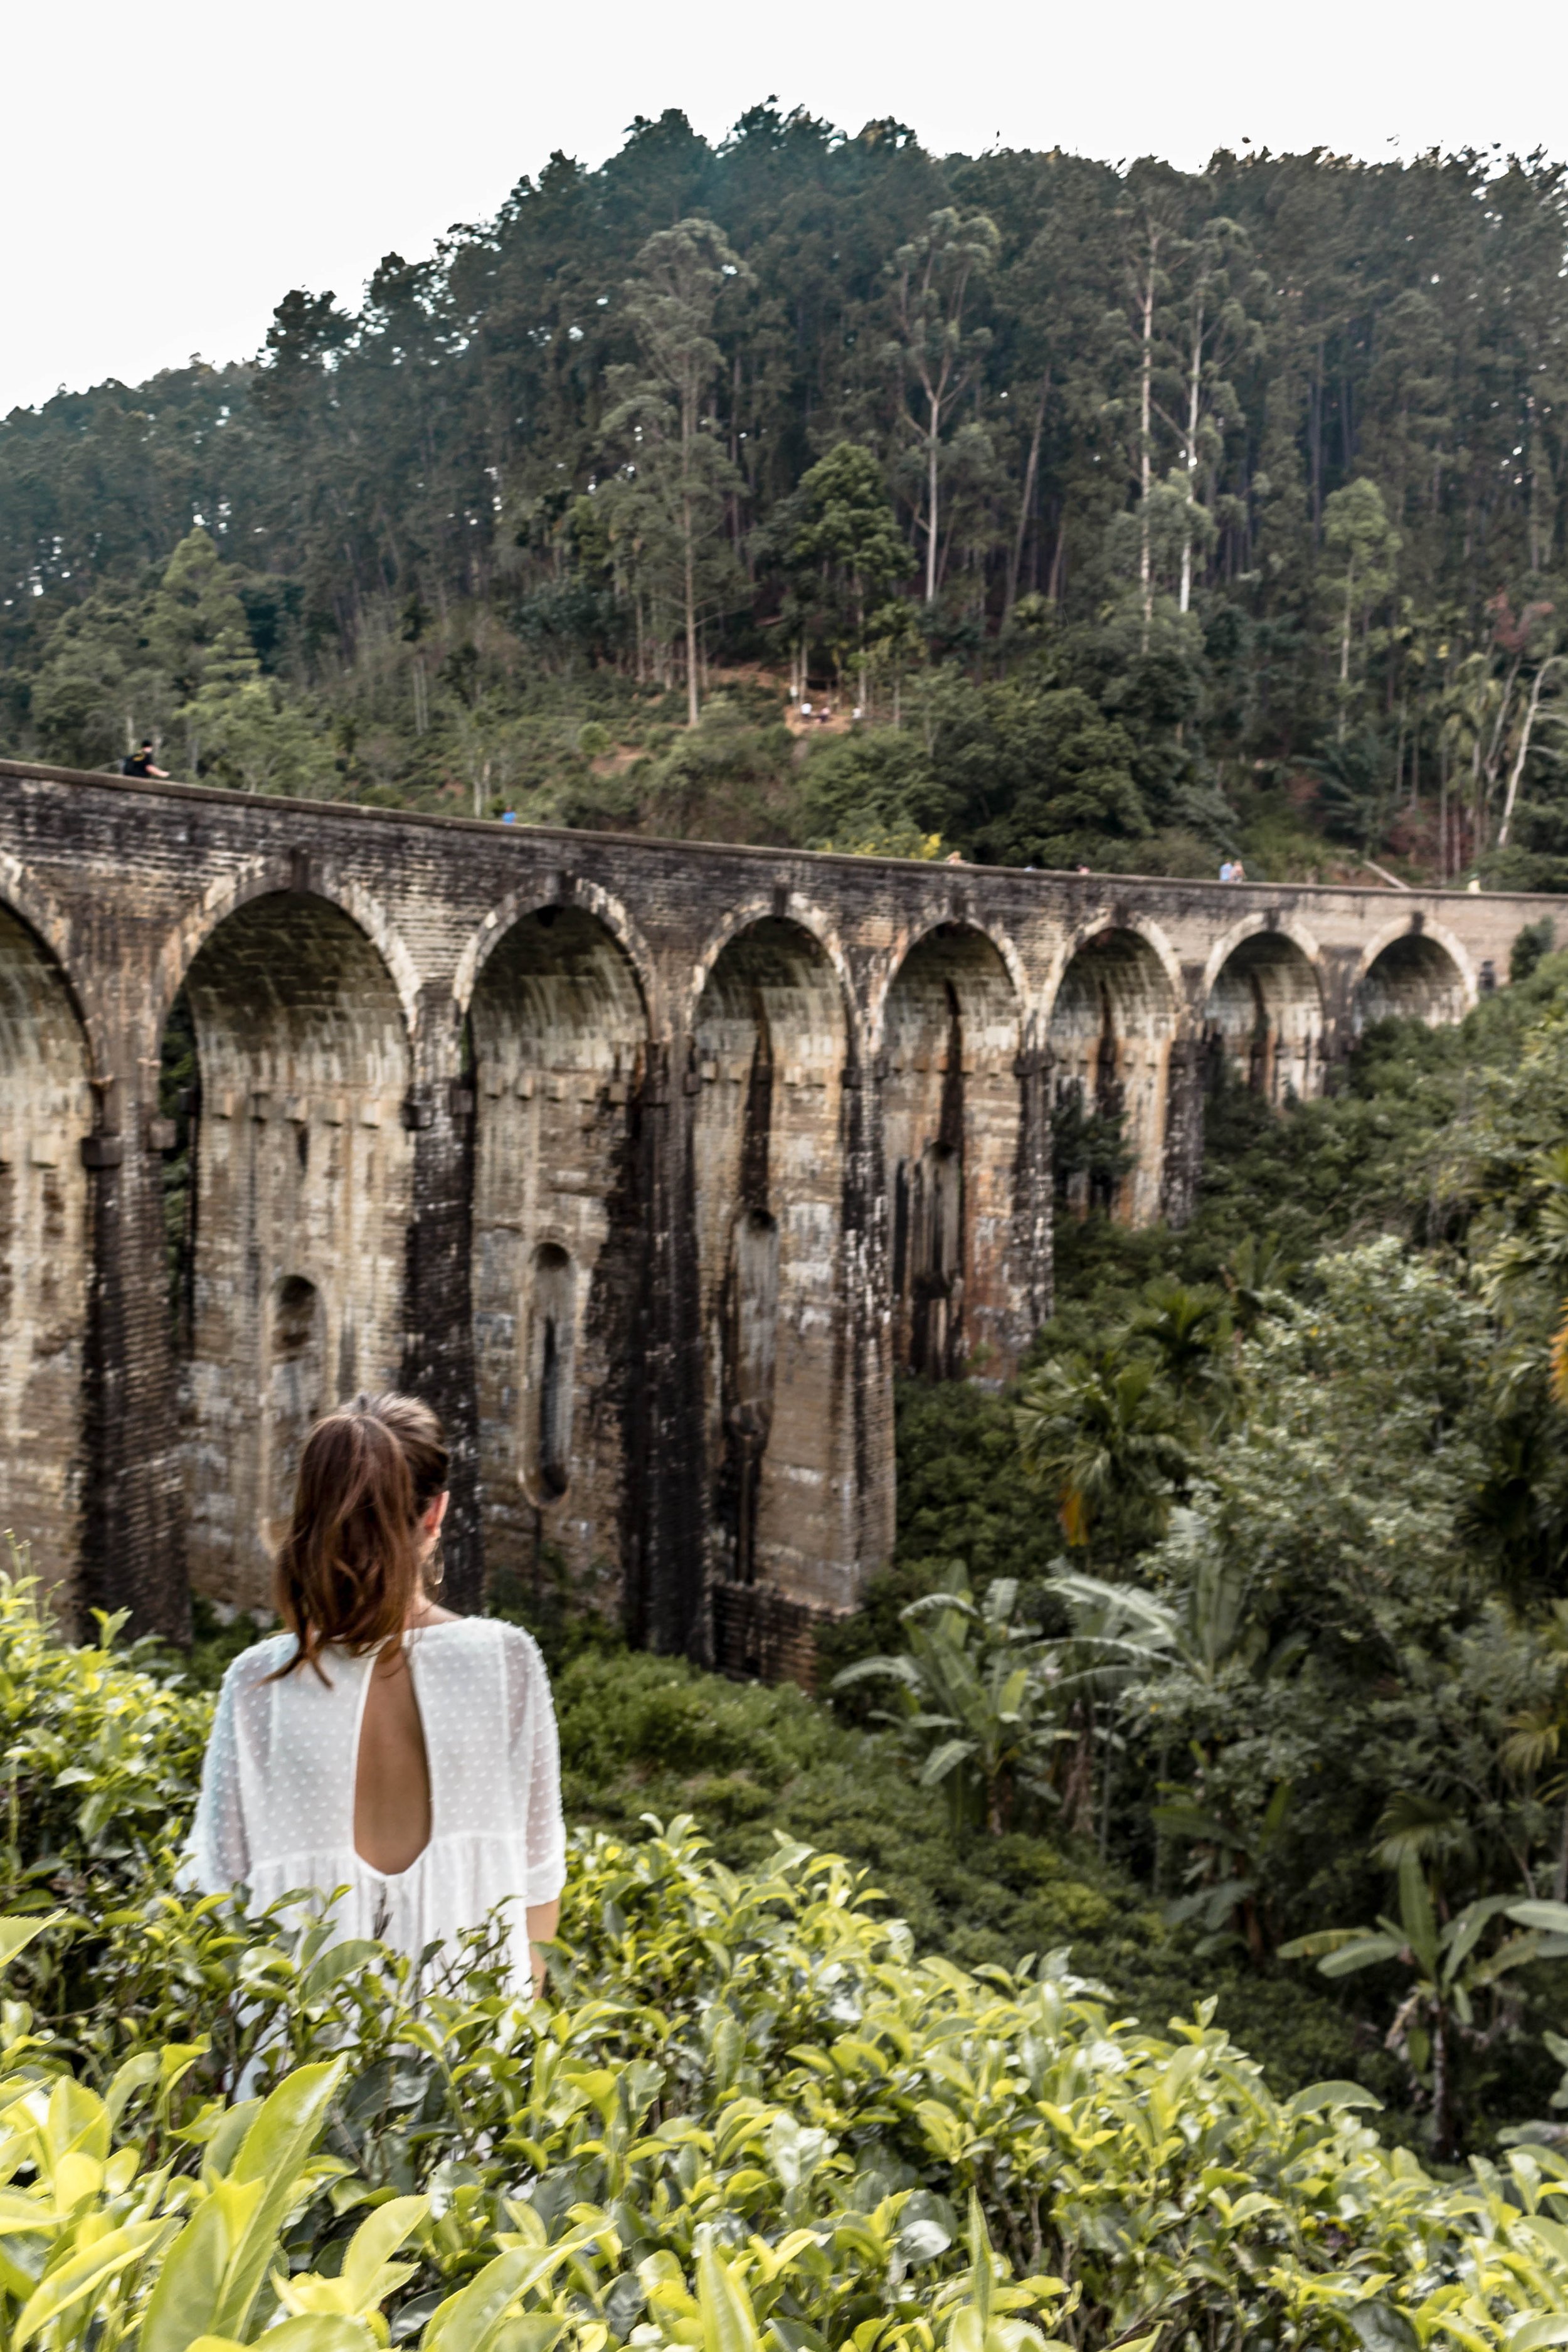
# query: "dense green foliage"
750, 2120
1299, 1473
1144, 514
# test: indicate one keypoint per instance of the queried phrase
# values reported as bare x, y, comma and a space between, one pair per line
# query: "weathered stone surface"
648, 1163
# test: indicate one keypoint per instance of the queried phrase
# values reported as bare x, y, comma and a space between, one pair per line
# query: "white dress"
277, 1807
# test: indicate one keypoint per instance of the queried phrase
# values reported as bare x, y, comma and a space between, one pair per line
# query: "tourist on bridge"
141, 763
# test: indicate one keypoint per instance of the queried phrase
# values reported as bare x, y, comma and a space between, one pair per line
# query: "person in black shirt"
139, 763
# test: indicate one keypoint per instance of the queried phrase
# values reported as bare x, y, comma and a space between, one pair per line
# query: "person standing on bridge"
383, 1745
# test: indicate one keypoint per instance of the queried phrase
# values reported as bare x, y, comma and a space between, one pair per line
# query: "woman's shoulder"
263, 1659
495, 1633
494, 1637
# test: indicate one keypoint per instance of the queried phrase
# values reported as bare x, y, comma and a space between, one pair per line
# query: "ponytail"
348, 1569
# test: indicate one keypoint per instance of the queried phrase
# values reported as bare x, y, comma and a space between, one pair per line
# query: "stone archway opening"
1263, 1022
1414, 978
770, 1045
289, 1216
1112, 1025
45, 1256
559, 1038
950, 1110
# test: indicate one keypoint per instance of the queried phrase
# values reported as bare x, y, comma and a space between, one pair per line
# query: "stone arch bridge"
648, 1163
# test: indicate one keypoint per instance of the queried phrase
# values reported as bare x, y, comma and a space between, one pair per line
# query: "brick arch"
38, 908
1286, 926
776, 1112
951, 1109
269, 878
911, 937
805, 915
1111, 918
1263, 1010
609, 911
1108, 1023
303, 1169
558, 1021
1432, 984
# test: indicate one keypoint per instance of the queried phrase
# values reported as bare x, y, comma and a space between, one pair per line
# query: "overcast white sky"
173, 169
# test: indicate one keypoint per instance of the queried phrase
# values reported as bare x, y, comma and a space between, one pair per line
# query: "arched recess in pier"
1111, 1025
45, 1253
1413, 977
770, 1045
292, 1192
560, 1040
952, 1032
1263, 1020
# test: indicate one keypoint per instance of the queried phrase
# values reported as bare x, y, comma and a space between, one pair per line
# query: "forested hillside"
1123, 516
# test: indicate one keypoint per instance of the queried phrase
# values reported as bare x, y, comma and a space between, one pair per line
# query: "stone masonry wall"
648, 1162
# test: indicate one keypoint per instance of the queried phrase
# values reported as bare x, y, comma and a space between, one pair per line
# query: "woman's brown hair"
347, 1569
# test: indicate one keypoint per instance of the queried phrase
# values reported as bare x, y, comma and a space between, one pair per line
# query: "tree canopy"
1266, 460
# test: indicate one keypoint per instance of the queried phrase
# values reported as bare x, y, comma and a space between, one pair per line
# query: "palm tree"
1104, 1434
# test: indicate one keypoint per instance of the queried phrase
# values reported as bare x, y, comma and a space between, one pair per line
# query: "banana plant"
1436, 2012
1120, 1635
976, 1711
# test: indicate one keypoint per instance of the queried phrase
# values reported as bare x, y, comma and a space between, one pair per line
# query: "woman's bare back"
392, 1775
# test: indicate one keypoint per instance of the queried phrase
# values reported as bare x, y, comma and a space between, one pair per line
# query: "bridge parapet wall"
649, 1163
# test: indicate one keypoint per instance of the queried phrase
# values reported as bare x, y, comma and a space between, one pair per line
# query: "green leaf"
1552, 2234
533, 2331
375, 2242
274, 2152
185, 2302
1536, 2333
469, 2322
943, 1761
1416, 1913
728, 2325
1552, 1918
1462, 1935
1313, 2100
319, 2331
1364, 1954
1383, 2327
85, 2274
899, 1669
15, 1934
348, 1958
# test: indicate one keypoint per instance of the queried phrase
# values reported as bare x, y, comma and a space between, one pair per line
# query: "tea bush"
637, 1734
751, 2121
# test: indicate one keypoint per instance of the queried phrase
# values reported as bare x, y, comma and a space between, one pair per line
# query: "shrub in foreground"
752, 2122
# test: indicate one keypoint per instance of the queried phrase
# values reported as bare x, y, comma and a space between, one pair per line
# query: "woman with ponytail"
382, 1748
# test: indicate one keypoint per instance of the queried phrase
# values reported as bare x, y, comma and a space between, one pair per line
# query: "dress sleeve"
535, 1767
217, 1853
